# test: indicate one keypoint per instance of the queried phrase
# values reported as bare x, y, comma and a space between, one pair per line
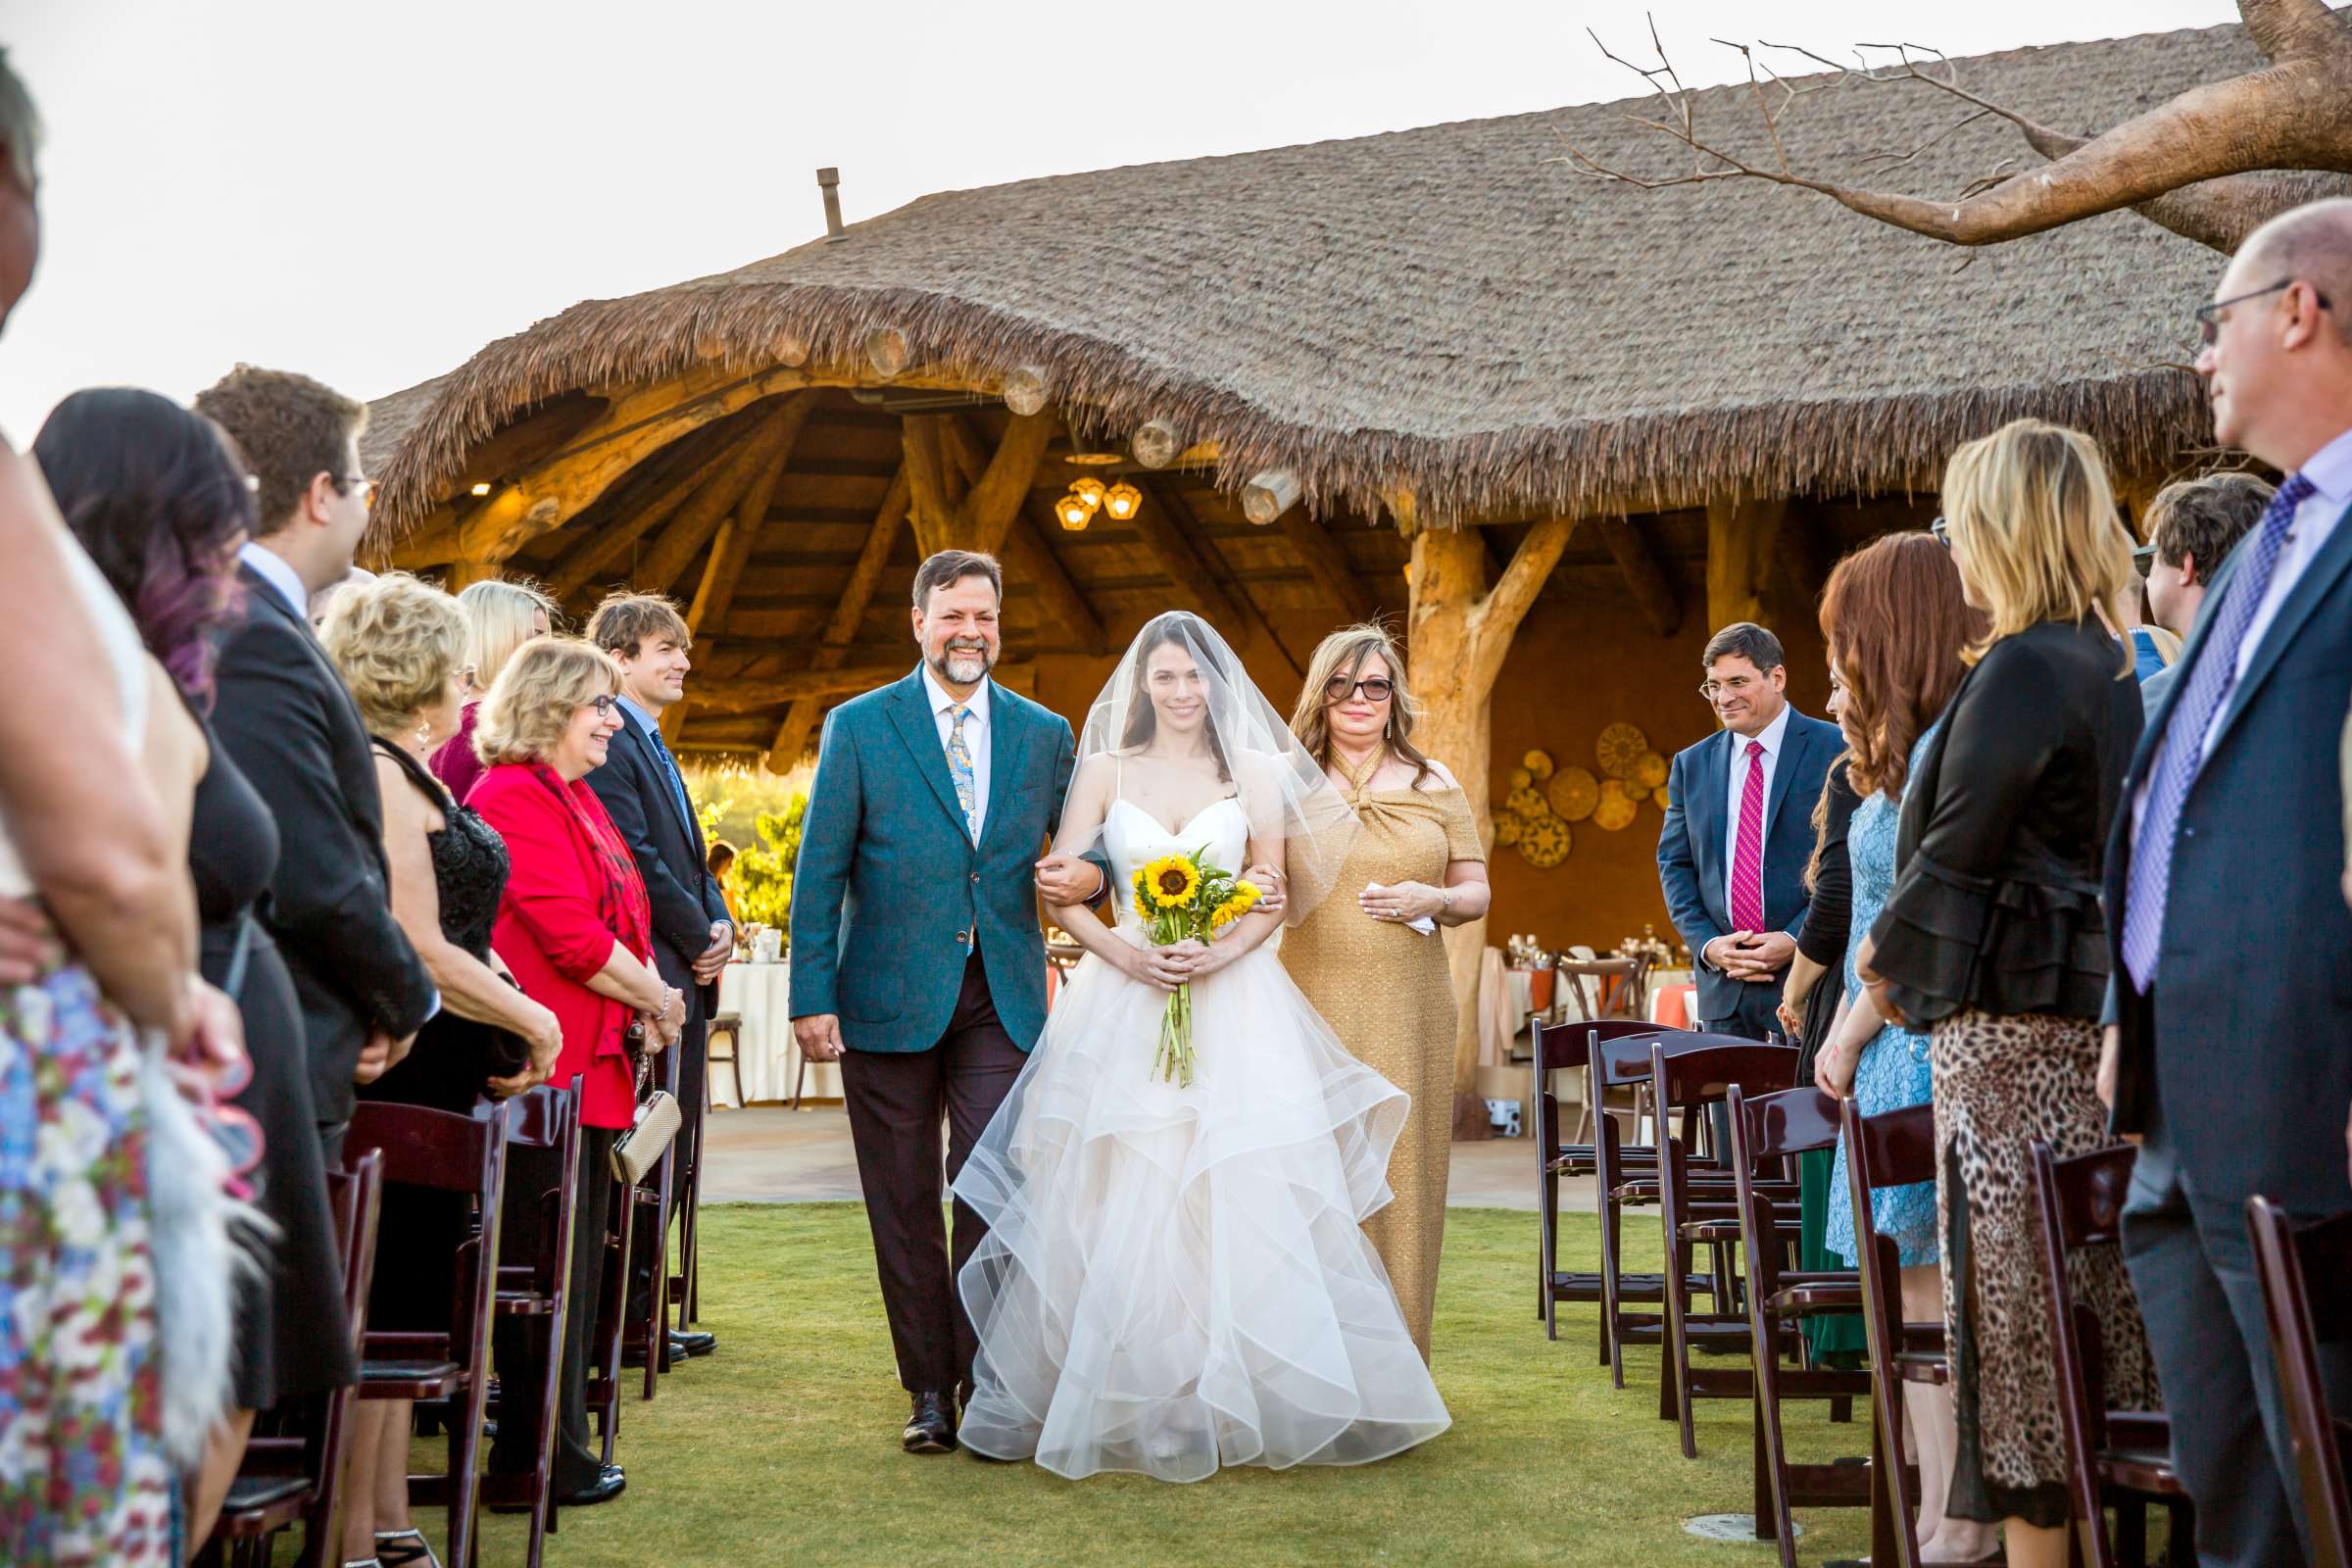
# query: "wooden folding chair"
727, 1026
450, 1154
1691, 1082
2298, 1269
1627, 1178
538, 1289
645, 1329
1769, 1129
607, 1333
686, 1284
1565, 1047
2121, 1458
1589, 989
283, 1479
1894, 1149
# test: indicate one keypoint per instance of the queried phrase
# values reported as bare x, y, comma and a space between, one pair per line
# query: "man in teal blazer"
917, 961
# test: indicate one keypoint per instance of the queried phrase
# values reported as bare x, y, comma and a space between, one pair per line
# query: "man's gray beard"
988, 662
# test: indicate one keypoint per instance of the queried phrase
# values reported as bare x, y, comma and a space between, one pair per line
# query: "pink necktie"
1747, 854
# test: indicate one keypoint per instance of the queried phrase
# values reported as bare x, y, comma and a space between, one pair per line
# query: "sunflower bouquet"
1180, 896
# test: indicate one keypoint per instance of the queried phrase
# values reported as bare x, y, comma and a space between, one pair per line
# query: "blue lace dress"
1893, 1071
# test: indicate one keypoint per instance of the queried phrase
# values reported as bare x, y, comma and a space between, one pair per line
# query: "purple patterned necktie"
2181, 750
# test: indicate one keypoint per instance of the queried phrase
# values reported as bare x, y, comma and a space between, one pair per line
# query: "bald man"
2236, 1076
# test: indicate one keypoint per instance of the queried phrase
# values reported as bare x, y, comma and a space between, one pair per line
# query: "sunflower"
1143, 887
1173, 881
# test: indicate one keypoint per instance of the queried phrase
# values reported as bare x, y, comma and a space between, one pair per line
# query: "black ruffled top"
1995, 904
470, 860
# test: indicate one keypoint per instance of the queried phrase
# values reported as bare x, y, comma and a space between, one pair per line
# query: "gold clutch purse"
642, 1143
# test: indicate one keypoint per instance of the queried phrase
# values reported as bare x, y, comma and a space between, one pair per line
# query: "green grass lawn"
783, 1446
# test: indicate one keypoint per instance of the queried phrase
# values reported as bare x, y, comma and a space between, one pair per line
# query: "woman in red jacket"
574, 927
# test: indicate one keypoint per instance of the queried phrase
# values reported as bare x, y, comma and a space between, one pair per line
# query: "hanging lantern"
1074, 511
1122, 500
1092, 489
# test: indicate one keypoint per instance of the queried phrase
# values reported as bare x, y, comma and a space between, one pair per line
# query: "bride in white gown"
1174, 1277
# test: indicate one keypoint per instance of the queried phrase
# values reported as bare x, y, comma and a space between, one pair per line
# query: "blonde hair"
535, 697
397, 640
498, 620
2034, 528
1345, 653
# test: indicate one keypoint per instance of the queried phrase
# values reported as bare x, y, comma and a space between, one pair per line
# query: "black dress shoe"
608, 1484
691, 1341
930, 1425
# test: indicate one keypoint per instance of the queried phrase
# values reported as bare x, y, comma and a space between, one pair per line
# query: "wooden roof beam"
633, 428
683, 538
1326, 563
841, 628
752, 694
1186, 525
1653, 591
610, 543
1021, 538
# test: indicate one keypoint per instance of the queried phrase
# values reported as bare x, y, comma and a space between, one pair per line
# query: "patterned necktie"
670, 771
1747, 854
960, 764
2181, 750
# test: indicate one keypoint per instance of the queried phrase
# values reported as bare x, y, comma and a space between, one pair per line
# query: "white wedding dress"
1174, 1278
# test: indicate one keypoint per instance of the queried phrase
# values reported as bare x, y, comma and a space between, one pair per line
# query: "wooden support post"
1326, 563
614, 541
1645, 577
1801, 562
1185, 524
633, 428
730, 551
1742, 538
926, 484
998, 483
1462, 632
463, 574
687, 532
792, 735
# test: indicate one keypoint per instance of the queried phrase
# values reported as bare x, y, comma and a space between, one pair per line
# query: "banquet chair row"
2306, 1276
291, 1477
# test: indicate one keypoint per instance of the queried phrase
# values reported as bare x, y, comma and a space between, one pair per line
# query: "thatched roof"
1446, 310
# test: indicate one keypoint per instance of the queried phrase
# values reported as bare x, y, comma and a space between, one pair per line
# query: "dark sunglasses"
1340, 688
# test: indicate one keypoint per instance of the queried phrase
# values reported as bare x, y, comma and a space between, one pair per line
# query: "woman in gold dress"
1383, 984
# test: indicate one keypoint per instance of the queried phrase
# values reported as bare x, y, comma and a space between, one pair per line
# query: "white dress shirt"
278, 574
1772, 737
975, 738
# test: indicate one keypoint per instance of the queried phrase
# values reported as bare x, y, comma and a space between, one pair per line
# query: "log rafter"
760, 456
1185, 524
1326, 563
1646, 579
841, 628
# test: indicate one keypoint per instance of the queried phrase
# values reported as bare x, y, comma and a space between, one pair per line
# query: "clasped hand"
1177, 963
1752, 955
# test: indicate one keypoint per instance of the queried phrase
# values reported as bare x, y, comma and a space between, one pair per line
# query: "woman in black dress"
160, 500
398, 642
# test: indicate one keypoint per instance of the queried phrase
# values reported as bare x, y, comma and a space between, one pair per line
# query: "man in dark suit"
284, 715
1738, 831
2234, 1074
645, 796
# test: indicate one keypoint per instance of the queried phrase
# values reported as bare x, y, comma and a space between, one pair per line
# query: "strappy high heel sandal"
404, 1549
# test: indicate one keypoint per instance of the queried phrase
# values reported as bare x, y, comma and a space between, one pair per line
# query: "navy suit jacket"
2241, 1055
667, 846
1690, 868
890, 881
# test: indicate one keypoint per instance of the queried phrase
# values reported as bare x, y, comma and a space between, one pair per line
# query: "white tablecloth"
766, 1054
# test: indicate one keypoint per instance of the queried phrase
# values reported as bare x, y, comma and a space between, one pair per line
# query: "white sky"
369, 193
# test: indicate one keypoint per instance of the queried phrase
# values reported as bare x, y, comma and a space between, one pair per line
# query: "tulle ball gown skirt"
1174, 1278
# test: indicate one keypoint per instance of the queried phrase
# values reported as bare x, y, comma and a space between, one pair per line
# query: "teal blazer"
890, 882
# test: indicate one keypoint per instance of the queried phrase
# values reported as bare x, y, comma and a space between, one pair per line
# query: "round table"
767, 1060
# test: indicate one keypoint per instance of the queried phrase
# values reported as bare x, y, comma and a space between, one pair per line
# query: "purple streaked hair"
159, 497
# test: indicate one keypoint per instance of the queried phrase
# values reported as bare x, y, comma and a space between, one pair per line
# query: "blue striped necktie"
2180, 751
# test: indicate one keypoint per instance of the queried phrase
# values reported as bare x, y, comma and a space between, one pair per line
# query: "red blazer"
552, 929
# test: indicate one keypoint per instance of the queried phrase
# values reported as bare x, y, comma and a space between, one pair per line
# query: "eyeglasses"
1377, 689
604, 702
1735, 686
1942, 532
2142, 558
346, 483
2209, 317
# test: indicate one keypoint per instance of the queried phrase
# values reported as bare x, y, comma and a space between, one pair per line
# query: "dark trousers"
522, 1229
896, 1100
2192, 1266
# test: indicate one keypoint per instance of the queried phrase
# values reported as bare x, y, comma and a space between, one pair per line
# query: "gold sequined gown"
1388, 994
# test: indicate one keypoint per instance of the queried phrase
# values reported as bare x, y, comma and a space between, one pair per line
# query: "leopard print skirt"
2001, 1083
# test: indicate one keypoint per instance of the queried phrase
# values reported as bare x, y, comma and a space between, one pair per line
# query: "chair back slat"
425, 1147
2088, 1192
1891, 1150
1700, 1076
1565, 1047
1775, 1126
1620, 1062
2304, 1277
1894, 1149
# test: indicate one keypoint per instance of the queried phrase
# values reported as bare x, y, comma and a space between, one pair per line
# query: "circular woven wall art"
1507, 827
1573, 793
1618, 806
1660, 796
1521, 778
1538, 765
1620, 749
1650, 771
1526, 802
1543, 842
